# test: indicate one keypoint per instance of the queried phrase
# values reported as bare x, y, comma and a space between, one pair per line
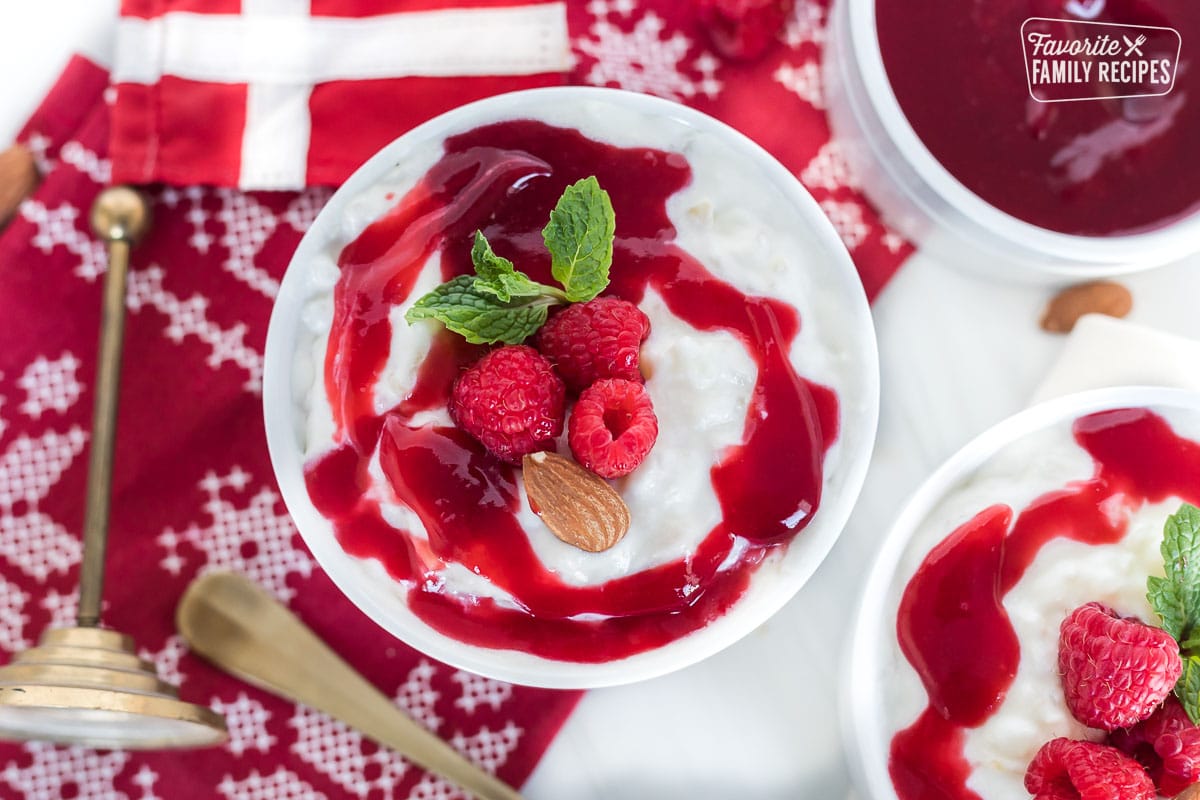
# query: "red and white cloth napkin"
283, 94
193, 490
214, 96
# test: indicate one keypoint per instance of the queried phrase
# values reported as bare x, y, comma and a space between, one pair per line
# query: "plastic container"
923, 201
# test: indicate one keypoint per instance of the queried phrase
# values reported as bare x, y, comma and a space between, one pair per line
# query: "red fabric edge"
68, 104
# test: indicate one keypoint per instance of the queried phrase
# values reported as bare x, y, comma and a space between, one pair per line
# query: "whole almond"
577, 505
1190, 793
18, 179
1097, 297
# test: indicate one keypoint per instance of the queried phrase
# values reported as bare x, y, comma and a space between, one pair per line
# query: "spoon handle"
242, 629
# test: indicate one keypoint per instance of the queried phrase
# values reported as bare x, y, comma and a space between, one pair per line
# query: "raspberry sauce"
1094, 167
952, 625
504, 179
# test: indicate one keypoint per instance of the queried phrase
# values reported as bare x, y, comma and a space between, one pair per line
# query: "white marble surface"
759, 720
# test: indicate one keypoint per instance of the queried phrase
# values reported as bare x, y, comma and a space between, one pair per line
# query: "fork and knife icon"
1132, 47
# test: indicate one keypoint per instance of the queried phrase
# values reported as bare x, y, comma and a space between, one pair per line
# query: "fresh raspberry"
744, 29
612, 427
1167, 745
512, 401
1068, 770
1115, 671
597, 339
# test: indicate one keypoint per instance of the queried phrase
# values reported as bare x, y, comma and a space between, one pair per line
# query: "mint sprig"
496, 275
579, 237
1175, 597
480, 317
499, 303
1187, 688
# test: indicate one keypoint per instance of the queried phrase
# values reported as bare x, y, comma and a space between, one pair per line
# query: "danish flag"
282, 94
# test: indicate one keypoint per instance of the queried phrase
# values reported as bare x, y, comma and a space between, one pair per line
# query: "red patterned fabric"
181, 130
778, 100
194, 489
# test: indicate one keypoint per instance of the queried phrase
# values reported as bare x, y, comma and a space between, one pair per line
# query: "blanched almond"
1097, 297
577, 505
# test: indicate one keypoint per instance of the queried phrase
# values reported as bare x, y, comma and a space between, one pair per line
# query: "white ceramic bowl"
925, 202
774, 583
870, 664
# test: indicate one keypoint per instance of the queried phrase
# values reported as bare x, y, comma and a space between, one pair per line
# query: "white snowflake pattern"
50, 385
200, 240
86, 161
255, 540
644, 60
30, 466
39, 146
418, 697
3, 424
282, 784
247, 721
806, 25
172, 562
847, 217
62, 608
338, 753
144, 779
190, 318
478, 690
431, 787
829, 169
166, 661
248, 226
893, 241
804, 80
303, 208
66, 772
30, 540
602, 8
488, 749
58, 227
12, 616
170, 196
37, 545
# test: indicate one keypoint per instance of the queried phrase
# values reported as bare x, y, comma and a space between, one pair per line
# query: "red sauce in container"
1101, 166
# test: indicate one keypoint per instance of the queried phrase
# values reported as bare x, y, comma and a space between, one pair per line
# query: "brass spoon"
242, 629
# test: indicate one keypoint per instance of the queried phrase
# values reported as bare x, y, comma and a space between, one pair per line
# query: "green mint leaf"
579, 237
1176, 596
1188, 688
1159, 591
495, 274
480, 317
501, 304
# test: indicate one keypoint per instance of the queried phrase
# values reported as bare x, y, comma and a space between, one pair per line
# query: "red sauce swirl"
504, 179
